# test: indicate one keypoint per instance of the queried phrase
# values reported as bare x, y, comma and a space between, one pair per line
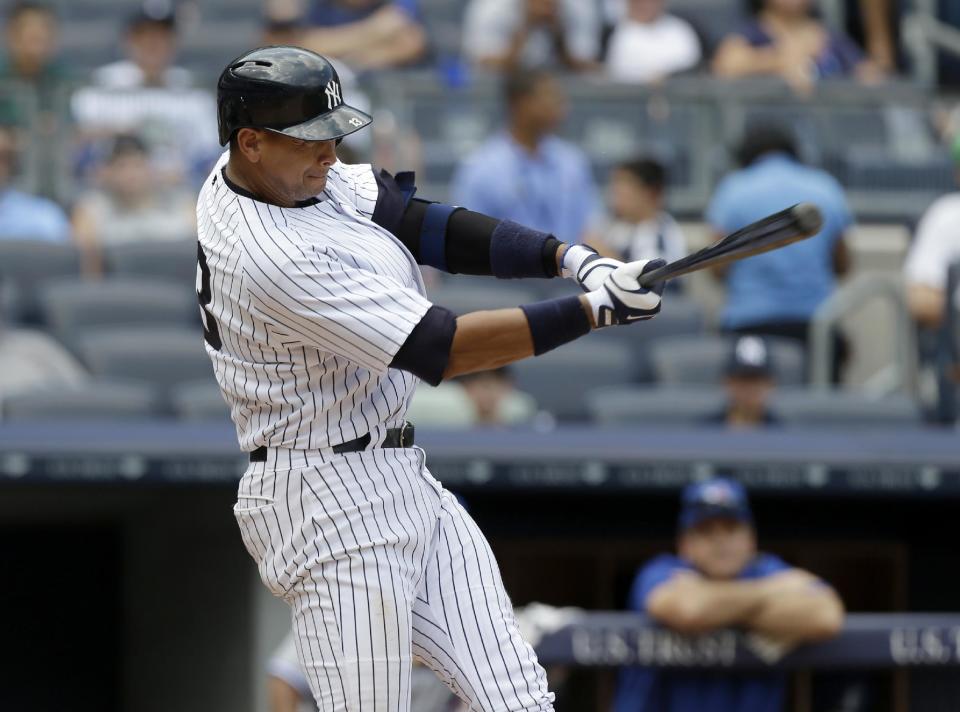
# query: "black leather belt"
396, 437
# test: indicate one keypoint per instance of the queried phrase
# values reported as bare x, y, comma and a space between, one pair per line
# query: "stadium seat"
161, 356
560, 379
99, 400
28, 265
175, 261
199, 400
680, 316
846, 409
72, 307
701, 360
667, 405
466, 294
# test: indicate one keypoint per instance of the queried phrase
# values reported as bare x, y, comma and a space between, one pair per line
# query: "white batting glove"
588, 268
621, 299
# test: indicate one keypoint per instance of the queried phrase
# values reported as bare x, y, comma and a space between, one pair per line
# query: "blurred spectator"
749, 382
527, 174
147, 93
640, 228
30, 360
24, 216
875, 23
32, 37
505, 35
720, 580
786, 40
364, 34
31, 44
936, 245
649, 44
486, 398
777, 293
289, 691
129, 205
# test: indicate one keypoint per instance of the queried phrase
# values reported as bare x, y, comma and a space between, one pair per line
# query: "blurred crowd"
142, 134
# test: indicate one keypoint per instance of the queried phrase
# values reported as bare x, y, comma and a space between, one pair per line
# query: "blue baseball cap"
713, 498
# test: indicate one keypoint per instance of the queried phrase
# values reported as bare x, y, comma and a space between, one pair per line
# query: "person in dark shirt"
785, 39
718, 579
749, 382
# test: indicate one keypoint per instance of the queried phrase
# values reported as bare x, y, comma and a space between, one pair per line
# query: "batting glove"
621, 299
588, 268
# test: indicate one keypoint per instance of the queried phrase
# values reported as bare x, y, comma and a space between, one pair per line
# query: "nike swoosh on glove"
621, 299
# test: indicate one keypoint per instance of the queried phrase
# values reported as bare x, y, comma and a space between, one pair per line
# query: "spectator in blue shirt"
720, 580
785, 39
366, 34
527, 174
24, 216
777, 293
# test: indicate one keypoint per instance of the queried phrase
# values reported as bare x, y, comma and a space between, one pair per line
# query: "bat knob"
808, 217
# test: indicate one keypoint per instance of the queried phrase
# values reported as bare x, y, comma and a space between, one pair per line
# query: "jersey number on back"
211, 332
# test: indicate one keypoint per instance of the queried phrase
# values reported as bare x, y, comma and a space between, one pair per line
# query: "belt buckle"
406, 434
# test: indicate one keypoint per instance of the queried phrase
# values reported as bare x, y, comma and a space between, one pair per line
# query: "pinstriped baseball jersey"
304, 309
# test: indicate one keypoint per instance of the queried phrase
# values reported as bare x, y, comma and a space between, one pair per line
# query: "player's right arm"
307, 296
490, 339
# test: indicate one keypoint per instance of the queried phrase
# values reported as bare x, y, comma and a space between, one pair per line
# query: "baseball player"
317, 322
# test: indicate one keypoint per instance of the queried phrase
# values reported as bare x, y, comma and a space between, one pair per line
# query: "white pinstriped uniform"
304, 310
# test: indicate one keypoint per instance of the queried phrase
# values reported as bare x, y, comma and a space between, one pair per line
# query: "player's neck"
249, 184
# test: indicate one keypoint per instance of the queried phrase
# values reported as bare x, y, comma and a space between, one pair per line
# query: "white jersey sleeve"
358, 184
312, 296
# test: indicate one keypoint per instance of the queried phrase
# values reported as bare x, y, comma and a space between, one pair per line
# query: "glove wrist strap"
601, 306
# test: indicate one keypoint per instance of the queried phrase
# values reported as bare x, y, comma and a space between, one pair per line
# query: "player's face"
719, 548
298, 169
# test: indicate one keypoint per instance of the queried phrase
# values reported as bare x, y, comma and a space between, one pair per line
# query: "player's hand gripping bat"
788, 226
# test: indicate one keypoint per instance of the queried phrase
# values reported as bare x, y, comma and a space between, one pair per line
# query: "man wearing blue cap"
720, 580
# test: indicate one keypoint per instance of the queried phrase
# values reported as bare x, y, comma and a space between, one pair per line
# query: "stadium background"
124, 585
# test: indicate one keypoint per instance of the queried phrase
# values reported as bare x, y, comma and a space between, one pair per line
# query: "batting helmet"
289, 90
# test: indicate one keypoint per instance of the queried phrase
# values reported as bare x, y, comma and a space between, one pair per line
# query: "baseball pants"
379, 565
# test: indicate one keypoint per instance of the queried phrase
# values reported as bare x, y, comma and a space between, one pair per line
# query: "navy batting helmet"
289, 90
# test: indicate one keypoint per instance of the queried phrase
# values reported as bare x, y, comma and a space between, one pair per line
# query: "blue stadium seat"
701, 360
28, 265
467, 294
175, 260
200, 401
847, 409
559, 380
98, 400
161, 356
70, 308
653, 405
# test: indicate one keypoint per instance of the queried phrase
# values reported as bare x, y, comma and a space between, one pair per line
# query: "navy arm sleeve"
460, 241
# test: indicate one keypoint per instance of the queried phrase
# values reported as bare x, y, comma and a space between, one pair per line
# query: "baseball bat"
796, 223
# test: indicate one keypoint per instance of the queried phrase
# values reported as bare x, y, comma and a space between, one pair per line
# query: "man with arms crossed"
720, 580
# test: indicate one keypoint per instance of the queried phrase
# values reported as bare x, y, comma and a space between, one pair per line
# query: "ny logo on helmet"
333, 95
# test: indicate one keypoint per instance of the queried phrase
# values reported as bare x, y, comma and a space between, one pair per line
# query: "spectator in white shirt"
639, 227
649, 44
505, 35
935, 247
147, 93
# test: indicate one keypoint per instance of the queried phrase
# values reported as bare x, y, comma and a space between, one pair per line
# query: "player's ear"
250, 143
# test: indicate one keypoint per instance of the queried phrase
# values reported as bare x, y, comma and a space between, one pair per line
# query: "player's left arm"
460, 241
